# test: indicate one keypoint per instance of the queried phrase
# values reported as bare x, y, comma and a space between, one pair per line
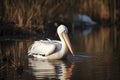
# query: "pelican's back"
41, 47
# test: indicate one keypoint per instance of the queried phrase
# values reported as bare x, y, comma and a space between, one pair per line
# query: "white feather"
42, 47
51, 49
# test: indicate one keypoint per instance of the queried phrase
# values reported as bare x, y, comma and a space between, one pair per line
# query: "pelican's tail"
29, 50
32, 49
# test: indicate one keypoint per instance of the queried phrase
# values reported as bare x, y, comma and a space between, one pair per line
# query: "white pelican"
52, 49
84, 19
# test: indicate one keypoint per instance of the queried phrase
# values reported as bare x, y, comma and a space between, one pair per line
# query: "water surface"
97, 58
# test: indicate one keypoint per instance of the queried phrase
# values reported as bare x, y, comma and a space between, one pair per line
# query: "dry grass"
26, 13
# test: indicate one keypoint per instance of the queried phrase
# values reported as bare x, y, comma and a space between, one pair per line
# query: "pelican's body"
52, 49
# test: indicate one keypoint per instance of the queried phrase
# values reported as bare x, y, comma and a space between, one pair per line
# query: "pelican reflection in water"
50, 69
52, 49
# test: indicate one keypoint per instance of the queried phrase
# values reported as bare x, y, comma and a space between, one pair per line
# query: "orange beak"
67, 41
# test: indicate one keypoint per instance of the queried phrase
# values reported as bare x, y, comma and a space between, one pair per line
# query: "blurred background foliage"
37, 14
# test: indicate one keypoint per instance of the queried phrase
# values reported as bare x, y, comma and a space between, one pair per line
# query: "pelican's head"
62, 31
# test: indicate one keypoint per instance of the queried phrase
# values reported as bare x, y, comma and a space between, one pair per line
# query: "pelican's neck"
64, 47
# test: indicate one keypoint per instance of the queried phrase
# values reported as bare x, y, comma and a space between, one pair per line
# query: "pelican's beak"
67, 41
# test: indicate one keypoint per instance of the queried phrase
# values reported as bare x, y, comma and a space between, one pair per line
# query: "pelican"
52, 49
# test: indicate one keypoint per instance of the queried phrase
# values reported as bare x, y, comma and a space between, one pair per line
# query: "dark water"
97, 58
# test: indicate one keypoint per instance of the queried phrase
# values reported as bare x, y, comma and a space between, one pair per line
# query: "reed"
26, 13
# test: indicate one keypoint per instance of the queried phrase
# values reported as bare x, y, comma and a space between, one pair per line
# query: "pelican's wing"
42, 47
